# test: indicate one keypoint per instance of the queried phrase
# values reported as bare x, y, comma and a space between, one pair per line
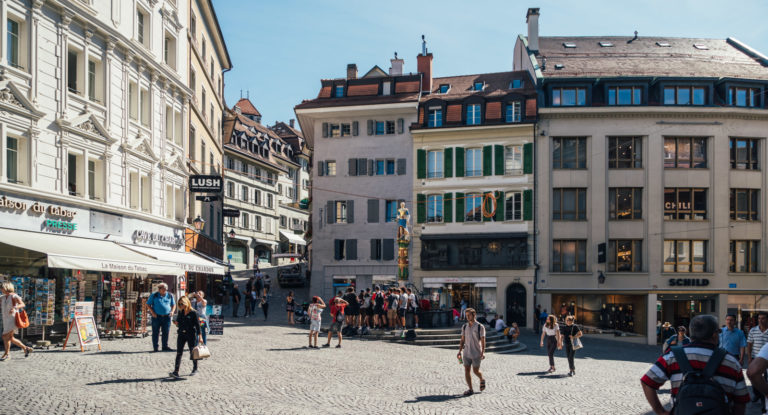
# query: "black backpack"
410, 335
699, 394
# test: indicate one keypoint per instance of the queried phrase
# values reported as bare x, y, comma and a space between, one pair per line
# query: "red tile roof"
495, 84
247, 108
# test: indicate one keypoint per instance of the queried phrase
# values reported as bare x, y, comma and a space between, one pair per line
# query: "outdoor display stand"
215, 321
85, 325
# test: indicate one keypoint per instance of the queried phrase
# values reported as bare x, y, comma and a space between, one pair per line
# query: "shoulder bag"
576, 341
22, 320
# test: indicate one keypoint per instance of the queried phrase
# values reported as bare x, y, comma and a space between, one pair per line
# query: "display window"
626, 313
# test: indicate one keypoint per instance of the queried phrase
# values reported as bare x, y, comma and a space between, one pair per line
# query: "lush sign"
200, 183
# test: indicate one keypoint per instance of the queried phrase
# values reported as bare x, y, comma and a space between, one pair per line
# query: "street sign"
201, 183
207, 198
230, 213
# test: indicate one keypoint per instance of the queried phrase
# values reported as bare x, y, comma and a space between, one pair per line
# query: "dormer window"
474, 116
478, 86
743, 97
516, 83
435, 117
569, 97
625, 95
338, 91
569, 45
444, 88
684, 95
513, 113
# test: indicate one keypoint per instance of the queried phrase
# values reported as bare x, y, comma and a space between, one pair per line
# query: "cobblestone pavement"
263, 369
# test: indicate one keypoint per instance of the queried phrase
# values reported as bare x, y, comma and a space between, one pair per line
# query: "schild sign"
200, 183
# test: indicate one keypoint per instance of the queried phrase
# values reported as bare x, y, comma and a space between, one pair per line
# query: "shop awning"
264, 241
293, 238
71, 252
184, 260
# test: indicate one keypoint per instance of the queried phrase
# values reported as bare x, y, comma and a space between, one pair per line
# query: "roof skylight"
559, 66
569, 45
700, 46
606, 44
662, 44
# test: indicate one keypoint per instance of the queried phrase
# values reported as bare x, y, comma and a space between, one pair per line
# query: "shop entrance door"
679, 309
516, 304
467, 292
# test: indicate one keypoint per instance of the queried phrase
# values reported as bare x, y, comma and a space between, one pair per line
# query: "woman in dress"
569, 333
11, 303
551, 331
289, 307
201, 308
189, 333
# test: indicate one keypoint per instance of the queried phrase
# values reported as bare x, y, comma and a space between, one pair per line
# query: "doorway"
516, 304
679, 309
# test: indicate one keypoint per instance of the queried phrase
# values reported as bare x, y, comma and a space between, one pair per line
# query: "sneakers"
338, 346
327, 345
174, 375
194, 372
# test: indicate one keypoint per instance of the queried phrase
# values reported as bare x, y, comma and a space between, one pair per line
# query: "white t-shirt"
763, 354
412, 300
551, 332
500, 325
403, 300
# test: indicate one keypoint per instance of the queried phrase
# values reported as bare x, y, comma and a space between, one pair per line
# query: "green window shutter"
459, 206
421, 164
499, 206
448, 207
528, 158
527, 204
421, 208
459, 162
487, 160
498, 152
448, 162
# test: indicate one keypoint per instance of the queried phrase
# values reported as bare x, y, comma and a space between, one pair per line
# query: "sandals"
28, 351
4, 358
468, 392
551, 370
482, 385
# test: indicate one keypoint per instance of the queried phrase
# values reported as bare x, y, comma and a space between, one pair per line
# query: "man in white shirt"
413, 307
500, 325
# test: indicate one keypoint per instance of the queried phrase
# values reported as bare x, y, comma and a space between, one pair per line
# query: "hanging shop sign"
200, 183
173, 241
688, 282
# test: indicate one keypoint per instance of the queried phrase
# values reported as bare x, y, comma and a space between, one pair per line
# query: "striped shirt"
728, 375
757, 338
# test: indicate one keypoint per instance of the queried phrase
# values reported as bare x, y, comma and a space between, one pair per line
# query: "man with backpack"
473, 345
337, 311
704, 378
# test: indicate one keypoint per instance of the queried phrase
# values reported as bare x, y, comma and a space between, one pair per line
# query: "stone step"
500, 348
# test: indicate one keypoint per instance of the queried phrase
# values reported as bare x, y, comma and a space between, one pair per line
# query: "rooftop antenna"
423, 46
241, 94
248, 94
633, 39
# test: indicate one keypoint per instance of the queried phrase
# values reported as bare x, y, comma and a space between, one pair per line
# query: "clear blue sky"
280, 49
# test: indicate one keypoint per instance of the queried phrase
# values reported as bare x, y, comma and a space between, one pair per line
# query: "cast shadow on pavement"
532, 373
552, 376
139, 380
435, 398
288, 349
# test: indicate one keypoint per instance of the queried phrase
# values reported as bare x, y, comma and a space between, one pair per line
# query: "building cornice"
654, 112
431, 132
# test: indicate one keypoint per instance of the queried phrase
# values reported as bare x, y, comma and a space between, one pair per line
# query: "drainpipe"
535, 228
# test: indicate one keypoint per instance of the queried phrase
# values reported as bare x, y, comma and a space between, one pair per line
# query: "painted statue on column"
403, 241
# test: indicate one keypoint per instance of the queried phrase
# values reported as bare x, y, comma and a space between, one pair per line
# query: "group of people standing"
257, 292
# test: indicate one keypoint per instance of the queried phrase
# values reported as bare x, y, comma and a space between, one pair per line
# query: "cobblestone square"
264, 369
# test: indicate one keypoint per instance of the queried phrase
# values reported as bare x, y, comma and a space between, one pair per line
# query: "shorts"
379, 311
314, 325
369, 311
401, 312
354, 311
391, 314
335, 327
472, 361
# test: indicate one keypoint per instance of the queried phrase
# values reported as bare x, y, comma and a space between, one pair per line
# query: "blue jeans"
204, 332
160, 323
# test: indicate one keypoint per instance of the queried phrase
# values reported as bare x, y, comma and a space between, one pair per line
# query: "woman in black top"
569, 333
189, 334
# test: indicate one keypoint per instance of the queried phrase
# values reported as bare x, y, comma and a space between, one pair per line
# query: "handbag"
200, 352
22, 320
576, 342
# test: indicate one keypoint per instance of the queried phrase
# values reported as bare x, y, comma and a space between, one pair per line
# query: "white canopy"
87, 254
293, 238
184, 260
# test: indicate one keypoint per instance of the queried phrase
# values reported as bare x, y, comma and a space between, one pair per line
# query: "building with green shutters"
473, 234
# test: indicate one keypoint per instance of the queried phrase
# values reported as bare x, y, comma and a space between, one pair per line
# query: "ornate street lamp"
232, 234
198, 223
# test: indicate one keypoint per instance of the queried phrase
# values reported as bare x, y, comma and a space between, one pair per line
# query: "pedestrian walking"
249, 297
339, 304
536, 321
235, 300
732, 339
290, 303
705, 393
267, 280
189, 334
315, 311
265, 305
12, 303
201, 308
757, 337
677, 339
473, 345
551, 331
570, 333
413, 307
162, 306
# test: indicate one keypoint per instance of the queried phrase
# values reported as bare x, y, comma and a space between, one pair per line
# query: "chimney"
291, 122
532, 18
397, 66
351, 71
424, 66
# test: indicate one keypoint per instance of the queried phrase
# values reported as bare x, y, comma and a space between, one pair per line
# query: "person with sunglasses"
677, 339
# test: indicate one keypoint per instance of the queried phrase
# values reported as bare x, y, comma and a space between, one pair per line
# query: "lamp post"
199, 224
232, 234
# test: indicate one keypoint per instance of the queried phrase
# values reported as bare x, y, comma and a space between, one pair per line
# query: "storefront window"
746, 307
608, 312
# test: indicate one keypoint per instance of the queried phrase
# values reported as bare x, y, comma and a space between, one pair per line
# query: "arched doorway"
516, 304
